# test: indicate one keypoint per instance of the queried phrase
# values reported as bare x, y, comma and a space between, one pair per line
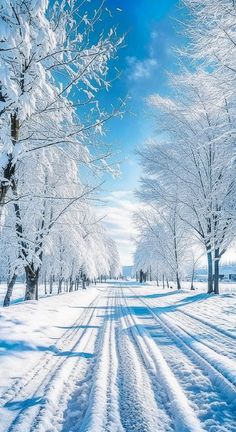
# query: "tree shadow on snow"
15, 347
78, 327
153, 296
75, 354
24, 404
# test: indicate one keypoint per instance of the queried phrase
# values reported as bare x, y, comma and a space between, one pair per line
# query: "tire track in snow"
143, 404
198, 388
216, 342
221, 370
223, 338
209, 325
222, 418
80, 396
184, 417
74, 399
102, 413
45, 361
50, 386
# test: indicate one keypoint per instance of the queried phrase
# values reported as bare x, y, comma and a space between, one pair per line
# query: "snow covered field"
119, 358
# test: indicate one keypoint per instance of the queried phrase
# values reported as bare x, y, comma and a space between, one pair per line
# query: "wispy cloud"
139, 69
119, 211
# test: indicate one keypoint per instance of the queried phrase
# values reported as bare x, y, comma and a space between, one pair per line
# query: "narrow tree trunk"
37, 290
60, 285
141, 276
216, 271
45, 286
84, 282
163, 281
178, 281
71, 284
10, 167
167, 282
210, 281
50, 285
192, 279
31, 283
176, 255
10, 287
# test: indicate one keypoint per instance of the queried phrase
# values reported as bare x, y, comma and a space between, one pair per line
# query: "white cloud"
144, 69
141, 69
119, 213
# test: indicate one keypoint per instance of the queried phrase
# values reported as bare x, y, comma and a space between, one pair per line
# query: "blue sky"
153, 31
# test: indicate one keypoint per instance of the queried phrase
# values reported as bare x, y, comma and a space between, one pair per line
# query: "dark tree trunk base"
10, 287
210, 279
31, 284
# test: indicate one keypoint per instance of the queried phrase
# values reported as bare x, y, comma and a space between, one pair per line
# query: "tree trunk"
178, 281
192, 279
9, 169
51, 285
210, 280
163, 281
37, 290
216, 271
31, 283
45, 286
10, 287
167, 282
71, 284
141, 276
84, 282
59, 285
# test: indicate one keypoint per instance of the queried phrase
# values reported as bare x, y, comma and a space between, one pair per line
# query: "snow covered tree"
53, 62
163, 241
212, 35
194, 152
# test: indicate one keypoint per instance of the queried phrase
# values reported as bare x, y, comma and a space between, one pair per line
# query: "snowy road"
130, 359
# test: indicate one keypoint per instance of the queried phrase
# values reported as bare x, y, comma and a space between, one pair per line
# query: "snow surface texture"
119, 358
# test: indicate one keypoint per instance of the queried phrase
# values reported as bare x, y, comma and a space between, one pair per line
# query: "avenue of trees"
189, 183
55, 62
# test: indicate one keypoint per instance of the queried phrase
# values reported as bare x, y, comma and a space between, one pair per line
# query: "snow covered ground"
120, 357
